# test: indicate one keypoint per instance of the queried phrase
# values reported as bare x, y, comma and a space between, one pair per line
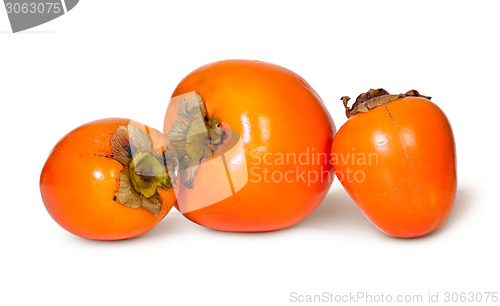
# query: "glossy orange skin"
409, 189
275, 111
80, 178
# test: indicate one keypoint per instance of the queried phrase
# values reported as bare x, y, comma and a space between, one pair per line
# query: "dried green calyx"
147, 173
373, 98
194, 137
143, 173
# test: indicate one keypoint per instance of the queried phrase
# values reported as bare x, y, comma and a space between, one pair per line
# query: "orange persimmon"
395, 157
239, 128
107, 180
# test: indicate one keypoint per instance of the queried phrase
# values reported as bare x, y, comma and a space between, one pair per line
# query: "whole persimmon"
395, 156
253, 141
109, 180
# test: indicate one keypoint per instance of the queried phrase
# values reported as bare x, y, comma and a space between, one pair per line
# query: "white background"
119, 58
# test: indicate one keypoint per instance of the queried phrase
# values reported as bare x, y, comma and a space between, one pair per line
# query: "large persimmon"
253, 141
109, 180
395, 157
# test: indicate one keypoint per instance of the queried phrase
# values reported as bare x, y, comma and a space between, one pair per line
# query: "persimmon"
395, 156
239, 128
109, 180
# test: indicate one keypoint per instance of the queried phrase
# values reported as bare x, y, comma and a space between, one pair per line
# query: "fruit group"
395, 157
108, 180
239, 128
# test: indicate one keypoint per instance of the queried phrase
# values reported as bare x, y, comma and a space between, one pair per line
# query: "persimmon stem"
373, 98
146, 174
195, 136
142, 172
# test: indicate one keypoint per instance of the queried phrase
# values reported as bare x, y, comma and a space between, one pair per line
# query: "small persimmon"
395, 157
108, 180
242, 131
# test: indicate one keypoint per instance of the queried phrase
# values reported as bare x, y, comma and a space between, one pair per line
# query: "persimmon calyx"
146, 174
143, 173
373, 98
195, 137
